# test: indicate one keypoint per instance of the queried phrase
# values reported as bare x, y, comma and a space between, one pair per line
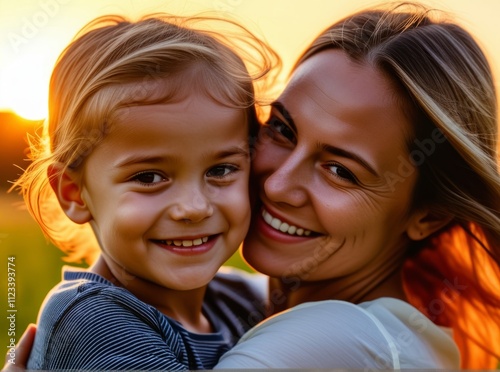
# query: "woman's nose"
191, 207
288, 182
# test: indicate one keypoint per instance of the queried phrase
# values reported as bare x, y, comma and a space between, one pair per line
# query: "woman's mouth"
285, 227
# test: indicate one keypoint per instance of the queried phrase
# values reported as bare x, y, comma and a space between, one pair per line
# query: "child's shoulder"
87, 321
83, 295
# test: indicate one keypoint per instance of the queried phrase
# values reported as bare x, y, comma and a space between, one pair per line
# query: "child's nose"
191, 208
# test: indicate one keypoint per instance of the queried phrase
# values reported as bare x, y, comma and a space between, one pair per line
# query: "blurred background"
34, 32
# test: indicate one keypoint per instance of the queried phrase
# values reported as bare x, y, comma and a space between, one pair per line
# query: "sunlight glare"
25, 85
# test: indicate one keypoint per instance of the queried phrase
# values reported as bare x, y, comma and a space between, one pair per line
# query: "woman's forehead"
339, 102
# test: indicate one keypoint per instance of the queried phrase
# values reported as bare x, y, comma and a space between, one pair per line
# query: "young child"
147, 142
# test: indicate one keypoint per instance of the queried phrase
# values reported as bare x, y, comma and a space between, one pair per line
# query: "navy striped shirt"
88, 323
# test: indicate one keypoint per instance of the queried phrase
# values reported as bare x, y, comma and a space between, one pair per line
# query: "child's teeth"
283, 226
187, 243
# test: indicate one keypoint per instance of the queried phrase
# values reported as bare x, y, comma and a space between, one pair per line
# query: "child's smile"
188, 246
167, 191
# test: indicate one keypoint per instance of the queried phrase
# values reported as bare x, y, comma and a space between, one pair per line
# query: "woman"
378, 219
379, 190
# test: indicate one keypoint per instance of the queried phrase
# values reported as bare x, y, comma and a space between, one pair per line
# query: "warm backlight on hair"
33, 35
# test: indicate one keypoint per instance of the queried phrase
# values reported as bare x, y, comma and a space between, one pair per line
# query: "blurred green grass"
38, 265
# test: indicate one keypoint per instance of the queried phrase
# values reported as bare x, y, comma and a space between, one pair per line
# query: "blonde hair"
113, 64
444, 82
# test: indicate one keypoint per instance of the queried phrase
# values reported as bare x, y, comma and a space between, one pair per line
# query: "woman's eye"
341, 172
278, 127
221, 171
148, 178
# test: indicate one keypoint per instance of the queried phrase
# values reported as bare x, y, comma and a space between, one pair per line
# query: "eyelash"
277, 126
350, 176
232, 169
136, 177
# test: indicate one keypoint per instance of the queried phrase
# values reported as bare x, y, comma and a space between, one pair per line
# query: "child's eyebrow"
231, 151
137, 159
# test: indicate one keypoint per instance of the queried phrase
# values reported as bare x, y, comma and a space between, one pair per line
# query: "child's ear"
68, 191
425, 222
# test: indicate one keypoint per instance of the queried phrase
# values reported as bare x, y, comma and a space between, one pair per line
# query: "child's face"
168, 192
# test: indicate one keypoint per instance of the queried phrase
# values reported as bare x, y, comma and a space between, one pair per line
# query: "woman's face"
334, 178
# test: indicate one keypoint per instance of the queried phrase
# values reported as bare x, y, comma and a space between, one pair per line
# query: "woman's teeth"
187, 243
283, 226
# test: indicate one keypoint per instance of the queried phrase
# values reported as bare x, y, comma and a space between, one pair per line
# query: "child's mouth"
185, 242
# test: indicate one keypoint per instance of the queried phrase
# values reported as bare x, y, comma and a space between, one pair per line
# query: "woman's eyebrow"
280, 108
349, 155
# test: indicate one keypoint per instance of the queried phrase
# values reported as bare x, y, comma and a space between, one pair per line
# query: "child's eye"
341, 172
148, 178
221, 171
279, 128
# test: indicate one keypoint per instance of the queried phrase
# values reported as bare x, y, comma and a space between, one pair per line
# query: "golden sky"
34, 32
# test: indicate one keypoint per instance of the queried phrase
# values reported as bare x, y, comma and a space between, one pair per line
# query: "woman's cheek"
268, 157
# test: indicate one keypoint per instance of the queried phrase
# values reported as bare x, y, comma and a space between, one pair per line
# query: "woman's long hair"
445, 84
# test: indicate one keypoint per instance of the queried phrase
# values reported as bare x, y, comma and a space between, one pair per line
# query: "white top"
384, 334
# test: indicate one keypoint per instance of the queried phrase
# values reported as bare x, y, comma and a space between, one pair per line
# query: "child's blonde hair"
114, 64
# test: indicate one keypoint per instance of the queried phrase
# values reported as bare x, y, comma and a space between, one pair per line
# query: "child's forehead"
193, 129
179, 86
181, 108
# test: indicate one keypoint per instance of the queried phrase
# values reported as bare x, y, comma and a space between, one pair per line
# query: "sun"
25, 86
30, 113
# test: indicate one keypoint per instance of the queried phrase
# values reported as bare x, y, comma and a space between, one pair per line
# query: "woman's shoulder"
411, 338
380, 334
415, 336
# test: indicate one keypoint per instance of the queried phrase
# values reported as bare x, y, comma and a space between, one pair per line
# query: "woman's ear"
426, 222
68, 191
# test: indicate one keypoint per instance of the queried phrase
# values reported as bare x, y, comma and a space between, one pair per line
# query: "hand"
16, 361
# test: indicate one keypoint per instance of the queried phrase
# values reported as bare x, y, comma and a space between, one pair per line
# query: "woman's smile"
284, 227
320, 166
